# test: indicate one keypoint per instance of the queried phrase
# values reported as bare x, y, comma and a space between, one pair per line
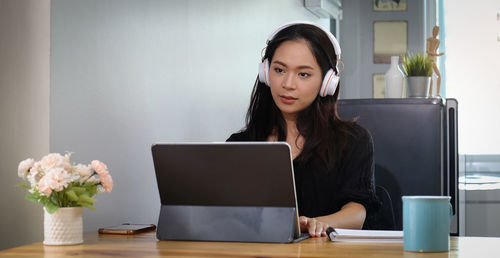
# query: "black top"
321, 192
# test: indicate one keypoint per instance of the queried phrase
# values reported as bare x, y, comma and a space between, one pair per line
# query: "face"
295, 77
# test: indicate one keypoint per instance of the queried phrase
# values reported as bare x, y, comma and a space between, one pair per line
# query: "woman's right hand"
314, 227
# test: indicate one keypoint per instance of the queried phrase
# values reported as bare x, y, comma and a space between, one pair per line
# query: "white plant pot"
418, 86
63, 227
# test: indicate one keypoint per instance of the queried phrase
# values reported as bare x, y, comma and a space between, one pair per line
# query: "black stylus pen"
331, 233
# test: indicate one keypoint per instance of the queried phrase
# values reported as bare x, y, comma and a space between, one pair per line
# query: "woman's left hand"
315, 227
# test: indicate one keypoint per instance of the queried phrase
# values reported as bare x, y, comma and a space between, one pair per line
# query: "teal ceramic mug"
426, 223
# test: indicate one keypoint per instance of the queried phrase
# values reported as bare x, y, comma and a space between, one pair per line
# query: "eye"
278, 70
304, 75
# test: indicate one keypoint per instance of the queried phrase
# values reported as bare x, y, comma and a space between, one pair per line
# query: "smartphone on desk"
127, 229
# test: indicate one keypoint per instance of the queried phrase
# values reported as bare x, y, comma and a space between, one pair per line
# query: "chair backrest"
384, 218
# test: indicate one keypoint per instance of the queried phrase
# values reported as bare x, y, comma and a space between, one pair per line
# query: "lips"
287, 99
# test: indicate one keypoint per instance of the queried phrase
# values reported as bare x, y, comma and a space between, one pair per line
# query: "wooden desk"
146, 245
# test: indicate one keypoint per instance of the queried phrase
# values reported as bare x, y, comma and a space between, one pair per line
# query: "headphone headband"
332, 38
331, 78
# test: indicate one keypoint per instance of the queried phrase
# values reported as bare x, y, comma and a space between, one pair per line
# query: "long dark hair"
324, 132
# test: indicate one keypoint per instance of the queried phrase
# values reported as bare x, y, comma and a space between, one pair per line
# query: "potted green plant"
418, 70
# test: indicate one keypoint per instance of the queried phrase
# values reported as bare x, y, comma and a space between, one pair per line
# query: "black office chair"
384, 218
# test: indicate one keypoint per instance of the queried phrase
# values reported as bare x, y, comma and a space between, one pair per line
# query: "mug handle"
451, 210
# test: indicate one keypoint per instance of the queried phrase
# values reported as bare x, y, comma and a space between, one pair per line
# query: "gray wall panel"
126, 74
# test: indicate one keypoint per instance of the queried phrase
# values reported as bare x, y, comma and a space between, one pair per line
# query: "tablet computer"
228, 191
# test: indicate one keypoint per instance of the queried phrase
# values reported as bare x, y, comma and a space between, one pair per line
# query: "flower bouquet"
56, 183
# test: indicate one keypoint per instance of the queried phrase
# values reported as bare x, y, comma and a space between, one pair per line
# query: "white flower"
93, 179
82, 170
74, 177
33, 179
66, 162
53, 160
34, 176
100, 189
24, 166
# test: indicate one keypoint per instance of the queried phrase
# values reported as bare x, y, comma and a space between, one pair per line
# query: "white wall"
127, 74
472, 61
24, 112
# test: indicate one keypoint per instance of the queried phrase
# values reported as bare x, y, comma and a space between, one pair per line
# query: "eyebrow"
300, 67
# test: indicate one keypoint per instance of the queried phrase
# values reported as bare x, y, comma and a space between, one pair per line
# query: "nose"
288, 82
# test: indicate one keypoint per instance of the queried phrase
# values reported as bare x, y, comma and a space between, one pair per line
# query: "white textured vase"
394, 80
63, 227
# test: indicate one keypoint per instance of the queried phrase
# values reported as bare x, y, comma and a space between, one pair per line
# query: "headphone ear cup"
330, 82
264, 72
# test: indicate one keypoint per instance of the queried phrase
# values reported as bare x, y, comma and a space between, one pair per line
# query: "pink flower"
106, 182
56, 179
52, 160
99, 167
35, 167
43, 187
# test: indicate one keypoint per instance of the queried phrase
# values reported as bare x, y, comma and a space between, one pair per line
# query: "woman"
294, 100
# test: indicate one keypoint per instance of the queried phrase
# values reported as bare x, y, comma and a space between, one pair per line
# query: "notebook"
356, 235
230, 191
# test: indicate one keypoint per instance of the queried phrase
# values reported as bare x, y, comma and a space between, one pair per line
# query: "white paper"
366, 235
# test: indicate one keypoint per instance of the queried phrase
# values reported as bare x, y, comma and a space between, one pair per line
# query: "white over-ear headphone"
331, 79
